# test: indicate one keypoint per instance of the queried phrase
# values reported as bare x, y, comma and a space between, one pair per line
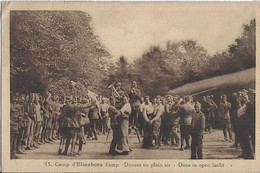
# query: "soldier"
38, 120
63, 125
45, 111
175, 118
114, 113
15, 112
197, 130
235, 105
148, 110
134, 95
22, 126
224, 114
104, 115
94, 116
116, 96
186, 110
244, 128
31, 122
72, 115
211, 113
251, 113
166, 120
83, 122
141, 118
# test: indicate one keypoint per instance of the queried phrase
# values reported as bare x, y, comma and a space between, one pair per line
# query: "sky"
130, 30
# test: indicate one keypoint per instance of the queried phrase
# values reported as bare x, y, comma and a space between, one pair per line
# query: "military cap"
251, 91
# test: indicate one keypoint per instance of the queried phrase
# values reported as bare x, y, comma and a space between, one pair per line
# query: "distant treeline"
182, 62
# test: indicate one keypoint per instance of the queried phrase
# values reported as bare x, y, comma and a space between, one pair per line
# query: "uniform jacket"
135, 95
197, 124
224, 110
185, 111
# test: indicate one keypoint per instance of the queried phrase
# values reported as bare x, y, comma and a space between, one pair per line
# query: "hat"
146, 97
251, 91
158, 97
244, 90
187, 98
198, 104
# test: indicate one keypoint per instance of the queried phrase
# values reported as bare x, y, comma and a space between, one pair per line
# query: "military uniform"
94, 117
251, 115
244, 137
104, 114
211, 115
185, 111
175, 118
15, 112
71, 124
38, 122
224, 114
197, 130
31, 124
114, 114
135, 95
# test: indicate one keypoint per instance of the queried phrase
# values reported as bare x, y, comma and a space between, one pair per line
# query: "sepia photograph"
118, 84
129, 81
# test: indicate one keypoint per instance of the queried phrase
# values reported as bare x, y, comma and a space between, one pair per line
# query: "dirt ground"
213, 148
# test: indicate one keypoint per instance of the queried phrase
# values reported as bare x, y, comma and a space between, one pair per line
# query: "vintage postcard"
130, 87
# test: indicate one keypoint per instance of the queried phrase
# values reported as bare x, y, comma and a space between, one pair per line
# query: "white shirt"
104, 107
126, 109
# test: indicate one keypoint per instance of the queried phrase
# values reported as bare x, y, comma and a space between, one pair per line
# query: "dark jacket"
197, 124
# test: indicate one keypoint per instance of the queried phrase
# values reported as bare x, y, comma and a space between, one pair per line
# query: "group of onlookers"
169, 115
38, 119
34, 121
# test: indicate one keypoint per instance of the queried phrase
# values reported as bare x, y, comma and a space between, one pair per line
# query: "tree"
51, 48
243, 50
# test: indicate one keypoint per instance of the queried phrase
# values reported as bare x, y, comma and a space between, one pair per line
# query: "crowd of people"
166, 120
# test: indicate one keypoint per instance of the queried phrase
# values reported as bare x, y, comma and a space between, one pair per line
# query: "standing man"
141, 118
251, 114
135, 96
31, 118
175, 118
197, 130
94, 117
224, 114
212, 108
114, 113
186, 110
244, 128
117, 94
235, 105
103, 109
15, 113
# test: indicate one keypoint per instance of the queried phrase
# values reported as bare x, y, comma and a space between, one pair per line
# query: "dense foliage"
162, 69
58, 51
55, 50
